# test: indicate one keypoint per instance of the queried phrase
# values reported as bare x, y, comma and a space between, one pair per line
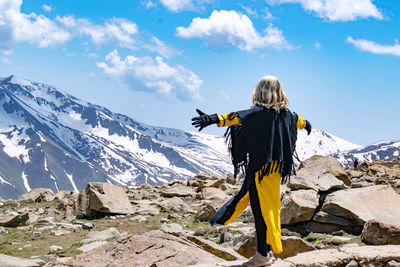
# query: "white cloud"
177, 5
337, 10
317, 45
181, 5
35, 29
225, 29
158, 46
148, 3
114, 31
47, 8
152, 75
370, 46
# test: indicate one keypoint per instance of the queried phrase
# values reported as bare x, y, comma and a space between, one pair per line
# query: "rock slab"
103, 198
360, 205
378, 233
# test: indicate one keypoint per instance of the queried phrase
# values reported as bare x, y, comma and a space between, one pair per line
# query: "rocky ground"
331, 217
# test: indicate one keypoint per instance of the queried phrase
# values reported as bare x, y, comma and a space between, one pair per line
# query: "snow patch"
71, 179
3, 181
14, 147
25, 180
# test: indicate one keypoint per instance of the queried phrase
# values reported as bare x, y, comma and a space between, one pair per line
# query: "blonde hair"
269, 93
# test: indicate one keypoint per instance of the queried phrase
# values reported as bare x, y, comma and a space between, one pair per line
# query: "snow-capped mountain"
321, 143
54, 140
385, 150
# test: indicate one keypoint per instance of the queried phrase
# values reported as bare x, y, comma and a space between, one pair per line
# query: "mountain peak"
12, 79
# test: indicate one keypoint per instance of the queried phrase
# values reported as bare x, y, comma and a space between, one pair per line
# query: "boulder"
145, 207
356, 174
340, 174
153, 248
214, 183
360, 205
378, 233
321, 258
308, 179
94, 236
293, 245
91, 246
37, 195
319, 173
211, 193
324, 217
205, 213
55, 248
298, 206
171, 228
178, 190
211, 247
373, 255
63, 194
175, 204
103, 198
9, 261
13, 220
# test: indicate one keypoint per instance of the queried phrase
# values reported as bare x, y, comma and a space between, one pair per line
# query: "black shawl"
264, 135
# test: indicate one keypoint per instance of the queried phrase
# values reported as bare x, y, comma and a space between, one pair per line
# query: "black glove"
308, 127
204, 120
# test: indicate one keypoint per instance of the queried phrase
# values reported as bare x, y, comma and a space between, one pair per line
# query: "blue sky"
158, 60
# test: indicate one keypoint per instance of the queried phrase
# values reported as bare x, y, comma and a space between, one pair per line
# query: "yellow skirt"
268, 191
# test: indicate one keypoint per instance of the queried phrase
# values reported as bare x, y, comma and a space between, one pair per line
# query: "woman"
263, 140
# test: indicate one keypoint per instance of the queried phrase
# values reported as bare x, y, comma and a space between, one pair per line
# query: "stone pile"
327, 212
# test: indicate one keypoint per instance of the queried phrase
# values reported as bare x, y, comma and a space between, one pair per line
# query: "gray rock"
9, 261
93, 236
145, 207
340, 174
60, 232
87, 226
138, 218
353, 263
3, 231
151, 248
356, 174
392, 263
211, 193
293, 245
378, 233
205, 213
55, 248
324, 217
321, 258
175, 204
299, 206
14, 220
172, 228
103, 198
337, 240
318, 173
378, 255
363, 204
91, 246
37, 195
178, 191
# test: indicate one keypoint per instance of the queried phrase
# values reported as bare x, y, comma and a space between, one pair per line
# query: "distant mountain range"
54, 140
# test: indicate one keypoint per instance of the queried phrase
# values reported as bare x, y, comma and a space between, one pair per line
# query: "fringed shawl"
263, 136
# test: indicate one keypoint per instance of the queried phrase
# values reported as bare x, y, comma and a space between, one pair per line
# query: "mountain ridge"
55, 140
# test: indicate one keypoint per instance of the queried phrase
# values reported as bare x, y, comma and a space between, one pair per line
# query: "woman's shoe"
259, 260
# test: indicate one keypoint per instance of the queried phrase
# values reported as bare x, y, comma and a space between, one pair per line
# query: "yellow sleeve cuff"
301, 123
221, 122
